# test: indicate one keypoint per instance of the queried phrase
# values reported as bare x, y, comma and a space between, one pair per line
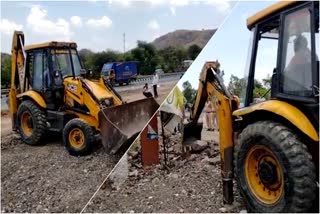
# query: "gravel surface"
46, 178
191, 184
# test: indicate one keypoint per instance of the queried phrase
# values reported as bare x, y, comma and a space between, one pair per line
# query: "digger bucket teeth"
120, 124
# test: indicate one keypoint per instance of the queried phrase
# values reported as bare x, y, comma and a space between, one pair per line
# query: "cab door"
298, 59
40, 75
296, 54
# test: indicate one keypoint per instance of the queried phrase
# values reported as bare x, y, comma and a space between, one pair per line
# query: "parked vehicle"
120, 72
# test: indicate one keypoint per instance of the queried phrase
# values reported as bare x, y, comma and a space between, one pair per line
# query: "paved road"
139, 85
4, 105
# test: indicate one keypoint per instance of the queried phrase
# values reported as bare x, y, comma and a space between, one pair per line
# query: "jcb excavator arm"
17, 71
211, 87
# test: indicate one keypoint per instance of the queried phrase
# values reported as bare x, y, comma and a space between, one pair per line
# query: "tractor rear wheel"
274, 170
78, 137
31, 122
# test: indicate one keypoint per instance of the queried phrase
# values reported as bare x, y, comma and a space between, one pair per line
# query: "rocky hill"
184, 38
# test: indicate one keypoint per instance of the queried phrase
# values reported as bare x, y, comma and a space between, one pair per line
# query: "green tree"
172, 58
235, 85
5, 72
145, 54
100, 58
86, 55
169, 58
262, 88
188, 92
267, 81
193, 51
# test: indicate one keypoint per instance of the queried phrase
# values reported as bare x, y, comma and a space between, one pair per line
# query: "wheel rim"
264, 174
76, 138
26, 123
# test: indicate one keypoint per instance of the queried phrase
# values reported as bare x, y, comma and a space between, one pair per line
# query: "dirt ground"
191, 184
46, 178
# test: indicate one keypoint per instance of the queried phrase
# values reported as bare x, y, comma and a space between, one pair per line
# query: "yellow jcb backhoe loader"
271, 147
49, 92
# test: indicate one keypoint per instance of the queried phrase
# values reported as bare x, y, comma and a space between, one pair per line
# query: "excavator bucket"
192, 132
120, 125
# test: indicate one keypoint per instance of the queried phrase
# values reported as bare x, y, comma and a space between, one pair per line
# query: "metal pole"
164, 143
124, 43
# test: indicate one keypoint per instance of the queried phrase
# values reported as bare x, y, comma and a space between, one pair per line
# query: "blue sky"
229, 45
99, 25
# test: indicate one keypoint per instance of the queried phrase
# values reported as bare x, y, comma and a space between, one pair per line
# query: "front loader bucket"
121, 124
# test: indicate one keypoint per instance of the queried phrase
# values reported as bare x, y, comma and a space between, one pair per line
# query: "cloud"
124, 3
7, 26
39, 23
180, 2
173, 11
153, 24
76, 21
221, 6
104, 22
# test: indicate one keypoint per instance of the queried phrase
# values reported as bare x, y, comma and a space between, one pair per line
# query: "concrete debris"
199, 146
187, 182
223, 209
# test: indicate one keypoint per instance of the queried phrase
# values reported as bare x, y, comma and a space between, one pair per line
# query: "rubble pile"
188, 182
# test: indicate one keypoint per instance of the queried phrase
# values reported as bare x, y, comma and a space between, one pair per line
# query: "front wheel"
31, 122
78, 137
274, 170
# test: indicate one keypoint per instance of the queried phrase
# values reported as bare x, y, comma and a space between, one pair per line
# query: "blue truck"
124, 72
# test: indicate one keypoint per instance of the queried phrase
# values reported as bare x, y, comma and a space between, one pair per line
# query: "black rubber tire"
39, 122
88, 132
296, 164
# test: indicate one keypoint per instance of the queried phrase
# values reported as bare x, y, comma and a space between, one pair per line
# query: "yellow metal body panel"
51, 44
74, 92
91, 120
285, 110
34, 96
13, 105
17, 71
208, 90
224, 119
100, 82
201, 90
99, 91
251, 21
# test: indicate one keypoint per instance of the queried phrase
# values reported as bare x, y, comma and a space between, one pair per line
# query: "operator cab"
47, 65
292, 36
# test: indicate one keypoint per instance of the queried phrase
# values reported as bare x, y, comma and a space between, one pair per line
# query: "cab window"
296, 66
62, 62
37, 64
